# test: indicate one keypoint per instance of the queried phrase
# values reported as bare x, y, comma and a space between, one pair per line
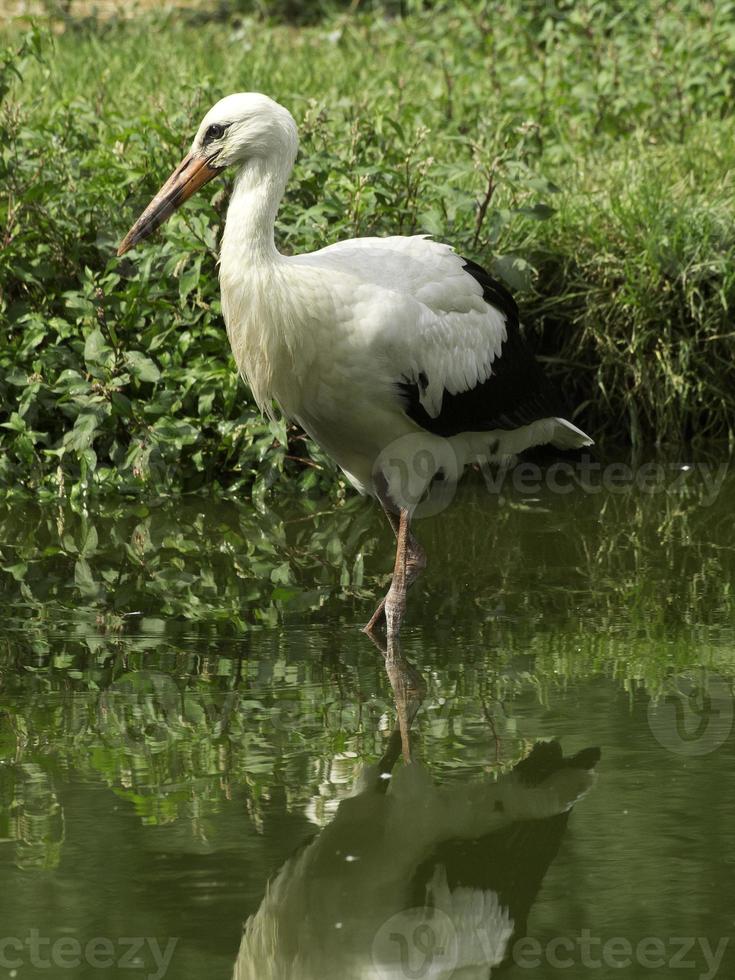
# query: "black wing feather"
511, 862
516, 393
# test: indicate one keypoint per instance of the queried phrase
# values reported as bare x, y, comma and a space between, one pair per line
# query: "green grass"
584, 152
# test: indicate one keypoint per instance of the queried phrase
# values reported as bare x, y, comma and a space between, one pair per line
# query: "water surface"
186, 697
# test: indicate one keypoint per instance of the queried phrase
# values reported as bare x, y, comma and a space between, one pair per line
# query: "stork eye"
214, 132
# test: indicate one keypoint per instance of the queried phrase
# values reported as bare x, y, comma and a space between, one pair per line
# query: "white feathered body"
329, 335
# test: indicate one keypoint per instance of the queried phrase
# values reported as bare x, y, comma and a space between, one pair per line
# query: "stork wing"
446, 332
515, 393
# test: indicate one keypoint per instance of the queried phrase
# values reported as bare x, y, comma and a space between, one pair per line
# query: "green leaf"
281, 574
189, 279
142, 367
542, 212
96, 350
84, 431
513, 270
90, 542
84, 580
18, 571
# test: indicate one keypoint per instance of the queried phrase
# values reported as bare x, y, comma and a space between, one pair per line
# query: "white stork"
403, 360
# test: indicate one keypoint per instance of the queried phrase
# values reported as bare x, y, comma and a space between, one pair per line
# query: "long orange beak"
191, 174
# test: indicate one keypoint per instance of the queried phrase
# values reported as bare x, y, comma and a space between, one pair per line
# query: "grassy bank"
584, 152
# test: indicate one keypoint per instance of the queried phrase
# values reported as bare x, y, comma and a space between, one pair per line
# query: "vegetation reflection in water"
147, 739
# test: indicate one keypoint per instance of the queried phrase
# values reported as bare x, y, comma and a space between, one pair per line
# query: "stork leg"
410, 559
415, 563
395, 600
416, 556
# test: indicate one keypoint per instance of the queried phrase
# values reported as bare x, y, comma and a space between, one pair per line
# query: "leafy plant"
581, 151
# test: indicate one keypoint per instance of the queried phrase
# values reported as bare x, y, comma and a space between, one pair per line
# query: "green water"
185, 697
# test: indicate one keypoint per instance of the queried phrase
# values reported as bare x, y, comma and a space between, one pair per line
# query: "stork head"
246, 129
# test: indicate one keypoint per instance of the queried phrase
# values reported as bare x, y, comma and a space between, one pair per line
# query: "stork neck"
251, 216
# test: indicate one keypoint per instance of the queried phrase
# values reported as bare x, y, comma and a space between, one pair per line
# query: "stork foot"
376, 619
415, 564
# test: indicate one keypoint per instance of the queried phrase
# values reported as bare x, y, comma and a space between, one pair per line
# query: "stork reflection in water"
411, 876
387, 351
